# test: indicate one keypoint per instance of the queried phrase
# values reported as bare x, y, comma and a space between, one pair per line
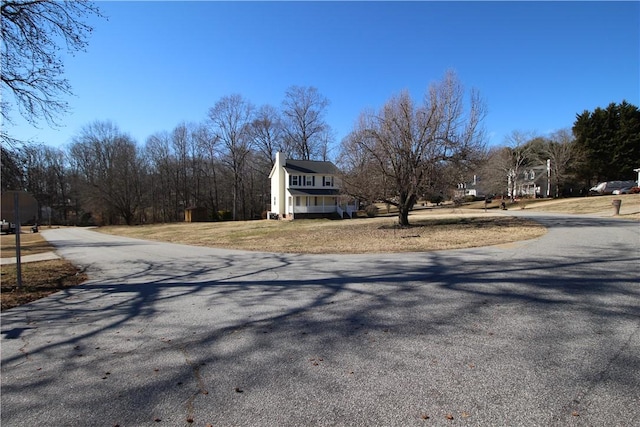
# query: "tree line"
405, 152
602, 145
221, 164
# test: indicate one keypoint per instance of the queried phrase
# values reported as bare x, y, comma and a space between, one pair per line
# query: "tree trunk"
403, 216
405, 205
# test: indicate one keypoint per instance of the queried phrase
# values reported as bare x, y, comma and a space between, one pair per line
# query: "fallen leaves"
448, 416
316, 362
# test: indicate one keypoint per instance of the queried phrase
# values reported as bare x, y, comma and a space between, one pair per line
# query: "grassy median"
430, 231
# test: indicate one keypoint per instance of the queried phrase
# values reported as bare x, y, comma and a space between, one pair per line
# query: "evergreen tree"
610, 142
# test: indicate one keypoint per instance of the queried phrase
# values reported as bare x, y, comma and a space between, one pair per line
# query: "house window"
327, 181
290, 200
315, 202
274, 201
309, 181
293, 180
297, 200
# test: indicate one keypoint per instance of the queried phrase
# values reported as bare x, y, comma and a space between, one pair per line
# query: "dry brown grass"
596, 205
30, 244
39, 279
428, 232
600, 205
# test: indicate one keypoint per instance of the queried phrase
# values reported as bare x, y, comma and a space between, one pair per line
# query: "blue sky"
154, 65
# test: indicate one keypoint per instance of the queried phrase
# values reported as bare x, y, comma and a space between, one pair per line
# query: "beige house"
305, 189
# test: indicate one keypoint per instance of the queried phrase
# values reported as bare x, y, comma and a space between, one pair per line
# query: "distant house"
471, 188
305, 189
533, 181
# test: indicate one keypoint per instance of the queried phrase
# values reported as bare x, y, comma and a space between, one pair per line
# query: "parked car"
609, 187
627, 190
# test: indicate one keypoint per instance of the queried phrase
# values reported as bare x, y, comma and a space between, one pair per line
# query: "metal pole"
548, 177
16, 208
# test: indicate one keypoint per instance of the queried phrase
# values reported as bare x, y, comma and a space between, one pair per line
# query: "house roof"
314, 192
311, 166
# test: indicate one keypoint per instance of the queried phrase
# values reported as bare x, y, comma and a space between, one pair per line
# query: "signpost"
24, 206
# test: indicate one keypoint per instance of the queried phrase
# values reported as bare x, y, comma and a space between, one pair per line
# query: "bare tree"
46, 178
162, 189
109, 164
306, 131
32, 69
208, 146
563, 155
188, 152
506, 164
267, 133
11, 168
231, 117
400, 152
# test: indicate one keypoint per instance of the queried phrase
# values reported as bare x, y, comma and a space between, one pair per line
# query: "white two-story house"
533, 181
305, 189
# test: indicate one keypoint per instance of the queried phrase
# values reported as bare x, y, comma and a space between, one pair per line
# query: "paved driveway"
543, 332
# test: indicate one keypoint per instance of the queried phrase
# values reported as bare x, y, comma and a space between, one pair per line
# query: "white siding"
278, 192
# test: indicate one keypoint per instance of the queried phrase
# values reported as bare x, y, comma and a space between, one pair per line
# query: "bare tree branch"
405, 151
32, 67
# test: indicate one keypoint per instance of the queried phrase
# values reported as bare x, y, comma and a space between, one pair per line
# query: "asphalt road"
544, 332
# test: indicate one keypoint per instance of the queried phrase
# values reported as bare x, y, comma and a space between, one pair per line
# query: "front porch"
299, 207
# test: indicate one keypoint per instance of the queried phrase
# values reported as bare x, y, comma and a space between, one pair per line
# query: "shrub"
436, 199
225, 215
371, 210
469, 198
